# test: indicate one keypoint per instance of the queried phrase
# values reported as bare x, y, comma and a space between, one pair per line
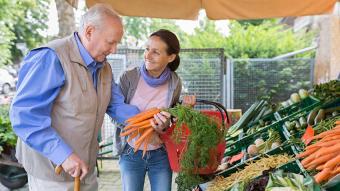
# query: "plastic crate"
306, 104
249, 138
279, 150
267, 118
297, 134
294, 166
242, 144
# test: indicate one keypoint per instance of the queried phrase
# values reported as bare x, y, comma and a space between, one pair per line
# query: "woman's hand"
161, 122
189, 100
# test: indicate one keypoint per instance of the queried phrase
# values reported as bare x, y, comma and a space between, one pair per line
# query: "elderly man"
64, 89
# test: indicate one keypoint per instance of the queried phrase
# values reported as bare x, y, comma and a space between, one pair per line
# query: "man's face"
103, 40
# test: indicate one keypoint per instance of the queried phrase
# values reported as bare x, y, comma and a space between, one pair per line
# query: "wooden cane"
58, 170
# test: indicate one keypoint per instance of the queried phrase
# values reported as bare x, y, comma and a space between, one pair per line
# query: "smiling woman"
154, 84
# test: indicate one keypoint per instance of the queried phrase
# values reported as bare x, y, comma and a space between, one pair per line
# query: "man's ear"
89, 30
171, 58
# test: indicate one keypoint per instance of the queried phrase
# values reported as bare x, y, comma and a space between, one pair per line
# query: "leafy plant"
327, 91
22, 21
7, 137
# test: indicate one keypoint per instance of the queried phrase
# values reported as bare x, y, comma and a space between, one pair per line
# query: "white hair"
95, 16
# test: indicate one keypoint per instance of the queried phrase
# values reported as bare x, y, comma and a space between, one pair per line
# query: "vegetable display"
324, 155
253, 169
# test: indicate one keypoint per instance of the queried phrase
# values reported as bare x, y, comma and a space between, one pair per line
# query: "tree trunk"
66, 18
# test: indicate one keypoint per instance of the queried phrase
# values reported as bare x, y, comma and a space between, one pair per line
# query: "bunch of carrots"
139, 125
324, 155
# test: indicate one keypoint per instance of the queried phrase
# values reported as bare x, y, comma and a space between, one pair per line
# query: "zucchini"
332, 109
311, 116
320, 116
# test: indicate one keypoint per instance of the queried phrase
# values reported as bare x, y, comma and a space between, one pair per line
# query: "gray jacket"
128, 83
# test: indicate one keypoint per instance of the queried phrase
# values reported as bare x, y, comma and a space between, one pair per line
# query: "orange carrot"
320, 167
308, 151
145, 126
336, 171
133, 135
308, 160
322, 159
145, 134
128, 132
137, 124
137, 145
330, 137
323, 175
333, 162
144, 117
141, 114
328, 150
329, 132
337, 122
146, 143
326, 143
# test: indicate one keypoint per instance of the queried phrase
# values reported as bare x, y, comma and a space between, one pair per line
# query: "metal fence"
201, 70
252, 79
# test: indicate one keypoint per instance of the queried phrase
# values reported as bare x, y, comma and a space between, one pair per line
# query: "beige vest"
77, 114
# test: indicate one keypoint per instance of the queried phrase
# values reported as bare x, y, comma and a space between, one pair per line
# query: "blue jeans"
133, 169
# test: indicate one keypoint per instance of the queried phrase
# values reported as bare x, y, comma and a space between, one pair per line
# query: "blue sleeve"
40, 80
117, 109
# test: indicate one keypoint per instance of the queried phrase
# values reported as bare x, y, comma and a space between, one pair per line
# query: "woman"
154, 84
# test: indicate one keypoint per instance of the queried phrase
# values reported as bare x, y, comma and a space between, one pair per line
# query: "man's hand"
74, 166
161, 121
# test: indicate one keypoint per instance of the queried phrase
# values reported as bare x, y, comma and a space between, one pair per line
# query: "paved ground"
109, 178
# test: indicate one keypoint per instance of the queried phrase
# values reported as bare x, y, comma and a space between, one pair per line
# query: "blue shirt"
41, 78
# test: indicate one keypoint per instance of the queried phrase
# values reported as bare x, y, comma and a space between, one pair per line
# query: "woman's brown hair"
173, 46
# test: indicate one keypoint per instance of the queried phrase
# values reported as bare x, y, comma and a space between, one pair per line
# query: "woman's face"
156, 56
